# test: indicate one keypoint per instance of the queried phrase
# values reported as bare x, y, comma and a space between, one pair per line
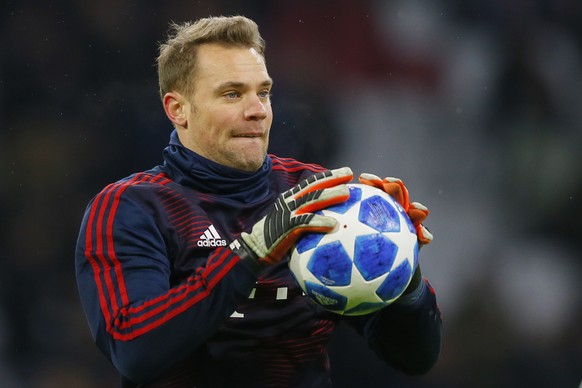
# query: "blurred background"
476, 105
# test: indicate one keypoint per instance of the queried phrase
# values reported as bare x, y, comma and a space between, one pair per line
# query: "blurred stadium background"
475, 104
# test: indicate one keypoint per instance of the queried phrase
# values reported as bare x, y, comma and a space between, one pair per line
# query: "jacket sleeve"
406, 336
138, 320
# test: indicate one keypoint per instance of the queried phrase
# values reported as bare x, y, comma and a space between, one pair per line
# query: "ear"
175, 106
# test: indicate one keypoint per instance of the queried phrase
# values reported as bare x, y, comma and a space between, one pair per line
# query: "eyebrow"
239, 85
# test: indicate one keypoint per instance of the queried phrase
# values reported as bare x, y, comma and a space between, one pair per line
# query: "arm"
406, 334
141, 323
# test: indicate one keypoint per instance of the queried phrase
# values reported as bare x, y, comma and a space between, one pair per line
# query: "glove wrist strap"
246, 254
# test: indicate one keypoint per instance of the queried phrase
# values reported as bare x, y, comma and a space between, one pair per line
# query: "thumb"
306, 223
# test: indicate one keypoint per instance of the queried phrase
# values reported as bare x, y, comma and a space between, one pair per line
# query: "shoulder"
138, 187
140, 181
289, 171
294, 167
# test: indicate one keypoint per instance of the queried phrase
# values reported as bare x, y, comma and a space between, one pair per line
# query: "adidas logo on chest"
211, 238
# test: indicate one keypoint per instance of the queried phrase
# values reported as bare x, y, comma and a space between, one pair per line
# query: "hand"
396, 189
292, 215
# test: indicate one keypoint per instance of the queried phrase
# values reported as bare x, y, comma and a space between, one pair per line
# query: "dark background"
475, 104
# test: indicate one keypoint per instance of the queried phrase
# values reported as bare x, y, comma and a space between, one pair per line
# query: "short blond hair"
177, 56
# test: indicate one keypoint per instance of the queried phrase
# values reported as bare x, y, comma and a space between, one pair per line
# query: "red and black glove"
396, 189
292, 215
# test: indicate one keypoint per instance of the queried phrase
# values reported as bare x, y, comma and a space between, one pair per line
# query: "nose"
256, 109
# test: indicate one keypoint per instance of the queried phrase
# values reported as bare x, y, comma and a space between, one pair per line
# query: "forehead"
219, 63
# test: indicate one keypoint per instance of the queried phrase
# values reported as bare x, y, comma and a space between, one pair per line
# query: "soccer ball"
366, 263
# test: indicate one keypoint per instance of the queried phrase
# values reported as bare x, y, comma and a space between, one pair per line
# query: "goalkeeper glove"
292, 215
396, 189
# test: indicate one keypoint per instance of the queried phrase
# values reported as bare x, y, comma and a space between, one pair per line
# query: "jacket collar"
190, 169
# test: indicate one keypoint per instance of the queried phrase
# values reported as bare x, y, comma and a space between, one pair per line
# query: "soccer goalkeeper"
182, 269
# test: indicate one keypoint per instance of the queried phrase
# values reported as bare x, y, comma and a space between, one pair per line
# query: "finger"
323, 180
424, 235
317, 200
417, 213
371, 180
396, 189
318, 223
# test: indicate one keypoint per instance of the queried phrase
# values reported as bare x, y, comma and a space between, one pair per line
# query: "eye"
265, 94
232, 95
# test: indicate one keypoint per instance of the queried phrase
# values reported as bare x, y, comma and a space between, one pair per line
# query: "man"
179, 268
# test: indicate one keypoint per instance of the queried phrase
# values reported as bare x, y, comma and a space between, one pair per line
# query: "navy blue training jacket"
170, 304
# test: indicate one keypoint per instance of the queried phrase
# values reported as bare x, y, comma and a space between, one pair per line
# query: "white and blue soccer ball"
366, 263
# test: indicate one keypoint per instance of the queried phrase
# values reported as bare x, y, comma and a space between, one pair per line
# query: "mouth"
249, 135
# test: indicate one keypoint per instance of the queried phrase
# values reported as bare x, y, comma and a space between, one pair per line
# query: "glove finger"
320, 199
318, 223
424, 235
322, 180
371, 180
396, 189
417, 213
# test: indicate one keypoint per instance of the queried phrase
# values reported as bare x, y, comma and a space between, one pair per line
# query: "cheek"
214, 125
